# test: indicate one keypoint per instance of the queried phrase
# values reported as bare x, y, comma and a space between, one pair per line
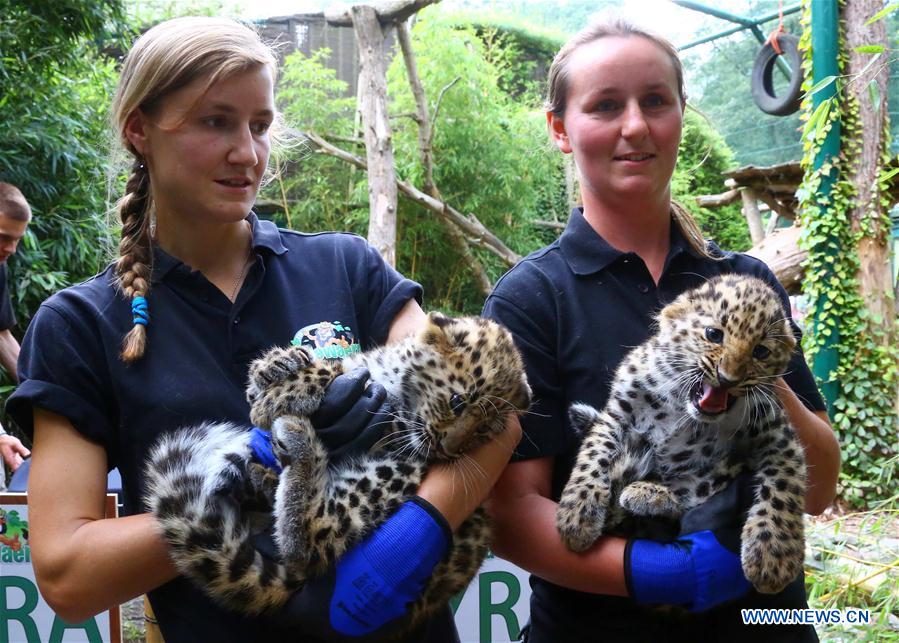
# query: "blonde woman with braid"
163, 338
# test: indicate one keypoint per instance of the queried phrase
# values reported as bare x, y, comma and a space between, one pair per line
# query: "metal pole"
745, 23
825, 26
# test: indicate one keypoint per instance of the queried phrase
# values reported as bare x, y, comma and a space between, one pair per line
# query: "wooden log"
780, 250
751, 212
717, 200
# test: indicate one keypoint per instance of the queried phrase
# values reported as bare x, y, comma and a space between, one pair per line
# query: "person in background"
15, 215
616, 102
163, 339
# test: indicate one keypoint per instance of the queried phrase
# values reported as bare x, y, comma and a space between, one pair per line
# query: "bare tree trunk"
751, 212
382, 194
868, 214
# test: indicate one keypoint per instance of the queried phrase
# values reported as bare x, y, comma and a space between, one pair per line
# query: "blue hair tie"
139, 311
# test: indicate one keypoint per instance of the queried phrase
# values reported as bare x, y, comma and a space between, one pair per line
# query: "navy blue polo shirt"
575, 309
7, 316
331, 291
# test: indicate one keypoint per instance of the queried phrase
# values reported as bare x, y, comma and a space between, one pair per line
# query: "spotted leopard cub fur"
450, 389
689, 410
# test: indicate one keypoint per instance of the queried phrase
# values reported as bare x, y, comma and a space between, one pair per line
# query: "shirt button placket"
643, 288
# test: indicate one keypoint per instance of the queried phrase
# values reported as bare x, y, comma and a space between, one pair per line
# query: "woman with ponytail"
616, 102
163, 338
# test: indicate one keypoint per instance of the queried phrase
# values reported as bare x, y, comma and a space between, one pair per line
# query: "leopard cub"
689, 410
450, 388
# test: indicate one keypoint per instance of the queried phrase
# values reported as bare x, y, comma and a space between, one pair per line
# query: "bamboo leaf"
874, 94
821, 84
869, 49
890, 8
870, 62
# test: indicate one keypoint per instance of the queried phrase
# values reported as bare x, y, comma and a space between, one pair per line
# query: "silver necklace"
248, 261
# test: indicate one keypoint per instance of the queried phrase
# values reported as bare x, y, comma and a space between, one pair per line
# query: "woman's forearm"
525, 533
85, 562
104, 563
822, 450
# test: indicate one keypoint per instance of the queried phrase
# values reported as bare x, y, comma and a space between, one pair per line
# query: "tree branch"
475, 232
386, 10
437, 107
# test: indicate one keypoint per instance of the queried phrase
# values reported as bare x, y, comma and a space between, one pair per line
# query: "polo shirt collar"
265, 235
586, 252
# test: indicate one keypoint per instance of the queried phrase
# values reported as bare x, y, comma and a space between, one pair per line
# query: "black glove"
353, 415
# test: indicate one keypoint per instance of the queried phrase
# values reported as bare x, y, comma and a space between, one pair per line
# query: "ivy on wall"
864, 411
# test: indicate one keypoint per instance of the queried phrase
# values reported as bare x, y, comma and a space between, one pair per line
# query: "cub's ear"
581, 417
435, 332
676, 309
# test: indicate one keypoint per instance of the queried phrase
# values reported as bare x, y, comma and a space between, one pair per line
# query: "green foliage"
867, 362
55, 92
702, 158
149, 12
488, 150
318, 192
564, 17
489, 153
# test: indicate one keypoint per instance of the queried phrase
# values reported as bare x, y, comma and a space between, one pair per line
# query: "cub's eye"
457, 404
761, 352
714, 335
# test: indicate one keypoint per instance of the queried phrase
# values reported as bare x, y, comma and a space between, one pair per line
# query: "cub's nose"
725, 381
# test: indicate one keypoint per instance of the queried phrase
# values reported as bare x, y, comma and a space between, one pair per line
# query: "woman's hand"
456, 489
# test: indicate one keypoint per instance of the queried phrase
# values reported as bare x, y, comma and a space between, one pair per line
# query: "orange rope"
772, 38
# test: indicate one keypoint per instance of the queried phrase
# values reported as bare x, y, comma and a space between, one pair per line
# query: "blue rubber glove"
696, 571
261, 444
352, 417
372, 586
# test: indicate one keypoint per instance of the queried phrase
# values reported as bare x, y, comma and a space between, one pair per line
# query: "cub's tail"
209, 501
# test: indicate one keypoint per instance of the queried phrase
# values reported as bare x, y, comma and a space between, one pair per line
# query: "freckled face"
207, 151
623, 117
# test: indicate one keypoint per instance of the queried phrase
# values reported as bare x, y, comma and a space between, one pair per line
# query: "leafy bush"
55, 92
703, 156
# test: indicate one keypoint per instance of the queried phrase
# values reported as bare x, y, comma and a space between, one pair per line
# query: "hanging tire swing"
763, 82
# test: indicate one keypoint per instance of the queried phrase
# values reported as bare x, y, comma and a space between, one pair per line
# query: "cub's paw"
276, 366
770, 560
294, 440
579, 524
649, 499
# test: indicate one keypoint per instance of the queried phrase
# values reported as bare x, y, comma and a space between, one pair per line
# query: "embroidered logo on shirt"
328, 340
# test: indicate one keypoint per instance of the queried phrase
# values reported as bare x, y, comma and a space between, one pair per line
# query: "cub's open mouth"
711, 400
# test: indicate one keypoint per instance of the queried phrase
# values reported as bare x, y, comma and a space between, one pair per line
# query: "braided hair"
135, 264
